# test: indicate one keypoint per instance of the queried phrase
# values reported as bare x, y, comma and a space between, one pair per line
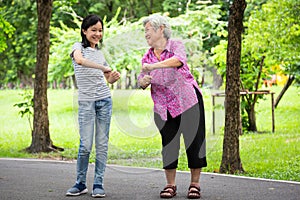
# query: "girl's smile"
94, 34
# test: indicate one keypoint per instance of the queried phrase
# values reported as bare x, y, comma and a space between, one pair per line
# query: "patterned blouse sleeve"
178, 49
144, 60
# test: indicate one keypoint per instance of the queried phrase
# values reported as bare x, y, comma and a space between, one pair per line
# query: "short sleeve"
76, 46
178, 49
145, 59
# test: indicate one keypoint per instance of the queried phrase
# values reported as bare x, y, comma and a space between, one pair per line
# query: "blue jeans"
94, 118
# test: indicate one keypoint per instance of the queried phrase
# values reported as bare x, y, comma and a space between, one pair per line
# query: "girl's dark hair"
88, 21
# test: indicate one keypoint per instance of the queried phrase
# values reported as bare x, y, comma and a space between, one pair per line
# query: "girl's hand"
112, 76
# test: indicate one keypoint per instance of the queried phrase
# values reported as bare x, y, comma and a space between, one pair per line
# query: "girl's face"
94, 34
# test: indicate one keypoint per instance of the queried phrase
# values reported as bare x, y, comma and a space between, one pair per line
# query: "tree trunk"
128, 79
74, 81
231, 162
285, 88
135, 78
251, 118
217, 79
251, 110
41, 141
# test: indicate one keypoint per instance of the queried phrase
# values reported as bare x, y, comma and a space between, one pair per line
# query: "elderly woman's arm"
168, 63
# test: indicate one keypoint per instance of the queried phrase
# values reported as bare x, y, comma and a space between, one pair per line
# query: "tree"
6, 31
231, 161
274, 32
60, 64
270, 39
41, 141
18, 60
124, 55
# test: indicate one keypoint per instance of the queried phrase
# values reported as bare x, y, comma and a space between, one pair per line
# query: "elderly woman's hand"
147, 67
145, 81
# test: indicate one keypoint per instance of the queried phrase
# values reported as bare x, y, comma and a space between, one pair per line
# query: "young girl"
95, 104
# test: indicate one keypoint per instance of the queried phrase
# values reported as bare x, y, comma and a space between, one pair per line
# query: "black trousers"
191, 124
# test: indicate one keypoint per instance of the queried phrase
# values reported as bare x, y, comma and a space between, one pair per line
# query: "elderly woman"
178, 103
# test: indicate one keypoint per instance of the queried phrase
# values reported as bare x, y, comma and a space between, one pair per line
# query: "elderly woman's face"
151, 35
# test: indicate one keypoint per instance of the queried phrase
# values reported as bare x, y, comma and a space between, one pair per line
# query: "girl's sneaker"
77, 190
98, 191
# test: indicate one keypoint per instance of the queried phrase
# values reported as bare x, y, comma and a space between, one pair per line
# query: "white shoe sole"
77, 194
98, 195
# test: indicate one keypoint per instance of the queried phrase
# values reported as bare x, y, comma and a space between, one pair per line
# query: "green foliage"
124, 43
17, 62
60, 64
197, 28
271, 36
253, 5
174, 7
120, 52
122, 21
63, 12
26, 107
6, 30
219, 57
274, 31
131, 10
199, 25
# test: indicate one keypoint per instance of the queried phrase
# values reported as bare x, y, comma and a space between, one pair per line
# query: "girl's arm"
79, 59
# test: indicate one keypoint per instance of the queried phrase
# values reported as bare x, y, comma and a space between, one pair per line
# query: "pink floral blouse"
172, 89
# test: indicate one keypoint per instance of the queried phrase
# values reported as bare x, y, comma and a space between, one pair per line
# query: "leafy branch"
26, 107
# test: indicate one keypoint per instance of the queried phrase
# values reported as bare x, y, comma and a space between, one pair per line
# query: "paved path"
23, 179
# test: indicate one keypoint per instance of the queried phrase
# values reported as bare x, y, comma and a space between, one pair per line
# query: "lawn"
134, 140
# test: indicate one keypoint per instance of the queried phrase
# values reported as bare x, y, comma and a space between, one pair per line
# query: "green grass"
134, 140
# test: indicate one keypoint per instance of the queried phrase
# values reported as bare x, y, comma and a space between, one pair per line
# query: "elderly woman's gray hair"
157, 21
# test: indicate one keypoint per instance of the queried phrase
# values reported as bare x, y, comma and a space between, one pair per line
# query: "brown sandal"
194, 192
168, 192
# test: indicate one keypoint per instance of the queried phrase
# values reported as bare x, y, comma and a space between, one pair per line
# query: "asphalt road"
30, 179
